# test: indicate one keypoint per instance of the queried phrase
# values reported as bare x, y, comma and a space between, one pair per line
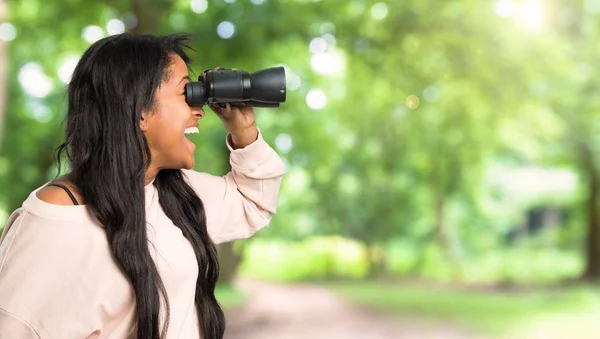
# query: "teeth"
191, 130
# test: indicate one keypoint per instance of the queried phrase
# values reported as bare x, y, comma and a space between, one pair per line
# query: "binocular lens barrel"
264, 88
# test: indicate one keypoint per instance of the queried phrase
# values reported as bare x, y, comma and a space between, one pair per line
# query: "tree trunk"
3, 66
229, 261
440, 225
438, 234
592, 266
377, 261
441, 231
149, 15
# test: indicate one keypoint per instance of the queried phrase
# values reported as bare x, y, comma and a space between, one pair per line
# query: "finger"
209, 70
226, 110
221, 109
215, 108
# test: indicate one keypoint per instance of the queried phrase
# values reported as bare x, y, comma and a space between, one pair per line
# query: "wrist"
241, 138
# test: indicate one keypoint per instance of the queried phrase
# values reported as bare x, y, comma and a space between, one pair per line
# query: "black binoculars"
264, 88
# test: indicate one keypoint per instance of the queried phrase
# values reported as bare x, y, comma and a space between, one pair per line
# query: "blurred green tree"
395, 110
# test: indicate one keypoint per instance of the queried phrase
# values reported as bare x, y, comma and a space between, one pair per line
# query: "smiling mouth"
191, 131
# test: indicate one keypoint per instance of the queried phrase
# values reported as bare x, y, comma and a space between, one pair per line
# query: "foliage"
401, 119
320, 258
314, 258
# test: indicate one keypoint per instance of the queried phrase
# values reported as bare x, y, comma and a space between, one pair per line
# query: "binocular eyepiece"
264, 88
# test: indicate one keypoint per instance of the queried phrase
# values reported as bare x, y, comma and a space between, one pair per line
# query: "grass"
487, 312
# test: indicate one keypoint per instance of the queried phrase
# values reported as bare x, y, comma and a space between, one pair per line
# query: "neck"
150, 175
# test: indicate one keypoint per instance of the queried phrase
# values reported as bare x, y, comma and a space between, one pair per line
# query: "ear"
144, 122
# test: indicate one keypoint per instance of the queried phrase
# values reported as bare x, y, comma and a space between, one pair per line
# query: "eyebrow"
184, 78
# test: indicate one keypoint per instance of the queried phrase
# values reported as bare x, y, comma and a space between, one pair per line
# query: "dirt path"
277, 311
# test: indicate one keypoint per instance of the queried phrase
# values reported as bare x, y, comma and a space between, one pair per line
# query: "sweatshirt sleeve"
244, 200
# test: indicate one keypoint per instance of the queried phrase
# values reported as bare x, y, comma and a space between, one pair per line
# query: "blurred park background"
443, 156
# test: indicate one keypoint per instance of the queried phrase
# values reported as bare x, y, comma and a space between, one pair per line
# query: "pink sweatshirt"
57, 276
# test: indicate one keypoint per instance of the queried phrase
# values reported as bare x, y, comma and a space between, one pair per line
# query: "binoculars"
264, 88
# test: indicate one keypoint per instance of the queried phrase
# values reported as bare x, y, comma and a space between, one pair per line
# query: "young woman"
123, 246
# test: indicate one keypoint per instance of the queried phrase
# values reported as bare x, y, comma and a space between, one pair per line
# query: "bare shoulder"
57, 195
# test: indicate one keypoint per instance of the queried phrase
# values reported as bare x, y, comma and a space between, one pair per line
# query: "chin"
182, 164
188, 165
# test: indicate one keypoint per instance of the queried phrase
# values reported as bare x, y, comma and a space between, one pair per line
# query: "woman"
123, 245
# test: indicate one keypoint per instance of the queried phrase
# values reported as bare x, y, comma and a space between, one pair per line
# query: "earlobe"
143, 123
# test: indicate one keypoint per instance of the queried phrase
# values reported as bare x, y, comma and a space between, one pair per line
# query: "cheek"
168, 131
175, 112
158, 131
168, 122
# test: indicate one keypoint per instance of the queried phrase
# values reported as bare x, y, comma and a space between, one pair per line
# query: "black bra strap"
68, 192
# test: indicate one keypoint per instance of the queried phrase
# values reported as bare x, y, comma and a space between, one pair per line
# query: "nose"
198, 112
